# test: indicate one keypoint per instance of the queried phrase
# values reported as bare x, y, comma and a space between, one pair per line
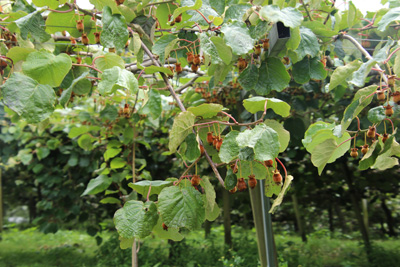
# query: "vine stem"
283, 166
187, 170
391, 54
229, 123
148, 193
363, 51
182, 108
391, 122
228, 115
88, 66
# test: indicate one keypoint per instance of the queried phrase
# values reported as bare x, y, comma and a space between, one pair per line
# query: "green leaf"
294, 40
237, 36
359, 76
308, 68
230, 180
17, 53
153, 105
181, 207
272, 76
171, 233
66, 94
389, 17
279, 198
85, 142
257, 103
110, 200
224, 51
206, 110
155, 69
283, 135
218, 6
236, 12
182, 9
42, 152
369, 159
263, 139
308, 44
115, 78
193, 150
376, 114
51, 4
143, 187
181, 128
357, 105
248, 77
108, 61
117, 163
111, 153
209, 192
230, 148
289, 16
209, 48
327, 152
97, 185
164, 45
136, 219
342, 73
29, 99
25, 155
115, 32
109, 113
33, 24
47, 68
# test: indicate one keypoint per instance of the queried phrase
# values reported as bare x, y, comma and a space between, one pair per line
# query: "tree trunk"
357, 211
299, 219
340, 216
227, 217
389, 218
207, 228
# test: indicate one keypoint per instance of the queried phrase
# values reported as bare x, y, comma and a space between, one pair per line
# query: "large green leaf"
29, 99
283, 135
341, 73
53, 4
389, 17
164, 45
257, 103
224, 51
360, 101
97, 185
143, 187
236, 12
184, 8
376, 114
136, 219
153, 105
115, 32
115, 78
359, 76
327, 152
230, 148
33, 24
249, 77
289, 16
181, 128
66, 94
308, 44
209, 48
47, 68
272, 75
263, 139
209, 191
108, 61
181, 207
170, 233
237, 36
192, 151
369, 159
308, 68
17, 53
206, 110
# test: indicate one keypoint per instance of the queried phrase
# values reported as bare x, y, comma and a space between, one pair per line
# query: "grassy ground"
30, 248
73, 248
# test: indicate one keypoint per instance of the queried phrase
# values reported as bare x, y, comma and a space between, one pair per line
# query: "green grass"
75, 248
30, 248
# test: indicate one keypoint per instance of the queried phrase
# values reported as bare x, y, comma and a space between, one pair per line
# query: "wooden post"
134, 254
